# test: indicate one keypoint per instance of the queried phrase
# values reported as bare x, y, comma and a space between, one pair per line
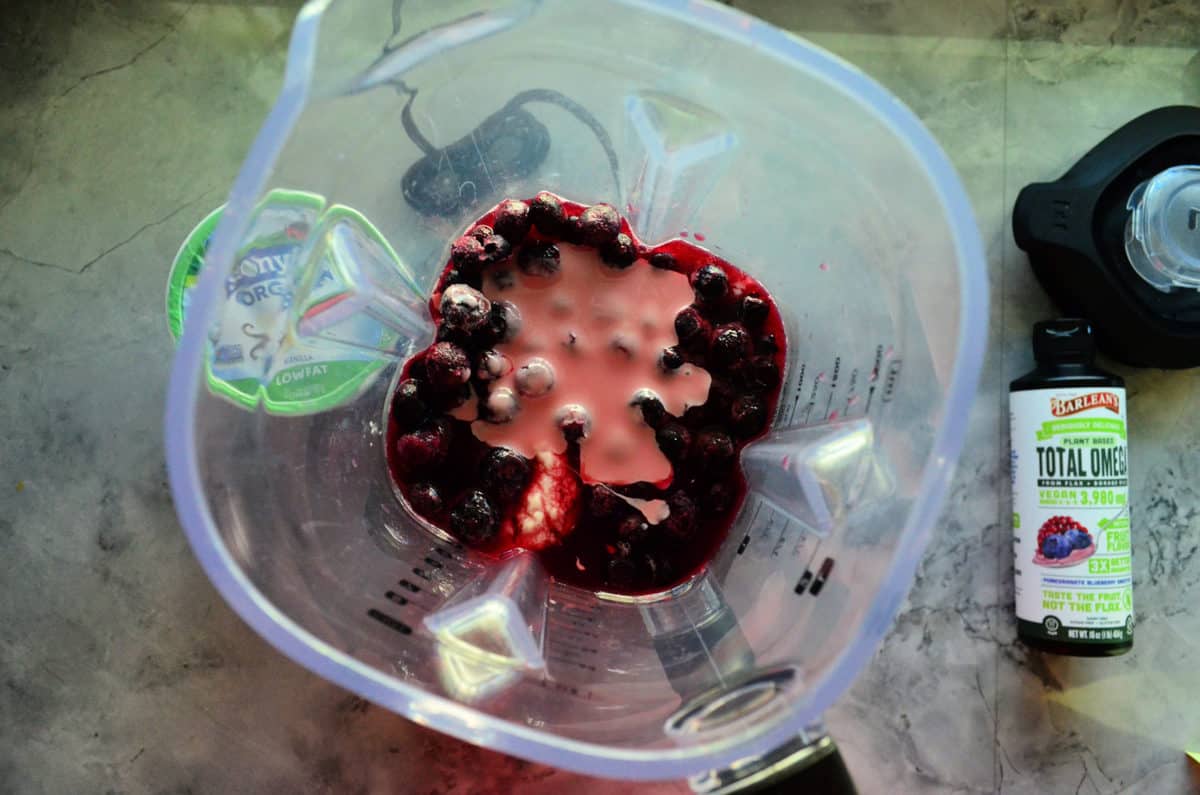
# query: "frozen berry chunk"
762, 373
754, 311
691, 327
512, 220
710, 283
663, 261
467, 253
505, 474
620, 252
673, 439
408, 408
546, 212
539, 259
463, 307
474, 519
730, 345
671, 358
749, 415
495, 249
714, 447
682, 520
447, 365
423, 449
652, 410
426, 500
599, 224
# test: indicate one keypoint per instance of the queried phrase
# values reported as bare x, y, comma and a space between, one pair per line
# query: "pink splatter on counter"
587, 397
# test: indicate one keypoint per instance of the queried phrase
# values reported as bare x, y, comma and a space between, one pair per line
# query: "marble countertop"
122, 671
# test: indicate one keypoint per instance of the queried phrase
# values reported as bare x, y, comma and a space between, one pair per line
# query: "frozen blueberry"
535, 378
539, 259
652, 409
512, 220
633, 528
761, 373
474, 518
671, 359
714, 446
1078, 539
547, 214
492, 365
505, 474
426, 500
447, 365
754, 311
464, 307
663, 261
505, 321
501, 406
620, 252
682, 520
749, 415
495, 249
710, 283
691, 327
766, 345
422, 449
467, 253
408, 408
599, 224
673, 439
603, 501
718, 499
574, 421
1056, 547
730, 345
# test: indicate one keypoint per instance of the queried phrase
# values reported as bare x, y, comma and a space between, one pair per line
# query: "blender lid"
1162, 240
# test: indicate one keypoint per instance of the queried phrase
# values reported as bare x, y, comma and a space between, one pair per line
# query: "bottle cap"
1063, 340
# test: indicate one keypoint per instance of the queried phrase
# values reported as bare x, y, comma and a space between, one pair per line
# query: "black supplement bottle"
1070, 481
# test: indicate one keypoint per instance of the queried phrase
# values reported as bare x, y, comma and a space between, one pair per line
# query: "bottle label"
1070, 486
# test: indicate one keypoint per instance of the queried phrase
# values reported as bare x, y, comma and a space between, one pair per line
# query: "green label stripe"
1081, 425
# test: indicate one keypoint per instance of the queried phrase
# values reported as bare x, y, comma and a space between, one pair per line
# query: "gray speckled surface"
122, 671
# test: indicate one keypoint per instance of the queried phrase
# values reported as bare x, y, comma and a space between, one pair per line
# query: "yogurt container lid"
253, 354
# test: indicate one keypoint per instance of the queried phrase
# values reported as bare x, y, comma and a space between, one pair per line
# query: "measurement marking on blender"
559, 687
805, 579
812, 398
576, 663
408, 586
753, 521
874, 377
889, 385
392, 596
822, 575
833, 384
389, 622
437, 564
851, 397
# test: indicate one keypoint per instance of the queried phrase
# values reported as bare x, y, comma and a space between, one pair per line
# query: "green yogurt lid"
253, 355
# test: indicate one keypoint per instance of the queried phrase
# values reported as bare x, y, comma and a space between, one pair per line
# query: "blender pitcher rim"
448, 715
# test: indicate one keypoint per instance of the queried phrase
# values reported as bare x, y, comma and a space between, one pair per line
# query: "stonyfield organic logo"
1095, 400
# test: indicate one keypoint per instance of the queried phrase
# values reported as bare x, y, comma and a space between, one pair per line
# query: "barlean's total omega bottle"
1070, 485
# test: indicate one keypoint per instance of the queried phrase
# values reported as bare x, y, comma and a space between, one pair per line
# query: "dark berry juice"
587, 397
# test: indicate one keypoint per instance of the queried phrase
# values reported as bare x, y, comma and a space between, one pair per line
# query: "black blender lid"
1131, 197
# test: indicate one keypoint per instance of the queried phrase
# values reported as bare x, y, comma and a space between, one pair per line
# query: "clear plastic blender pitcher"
407, 121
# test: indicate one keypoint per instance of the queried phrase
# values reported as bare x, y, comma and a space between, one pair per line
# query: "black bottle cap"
1064, 340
